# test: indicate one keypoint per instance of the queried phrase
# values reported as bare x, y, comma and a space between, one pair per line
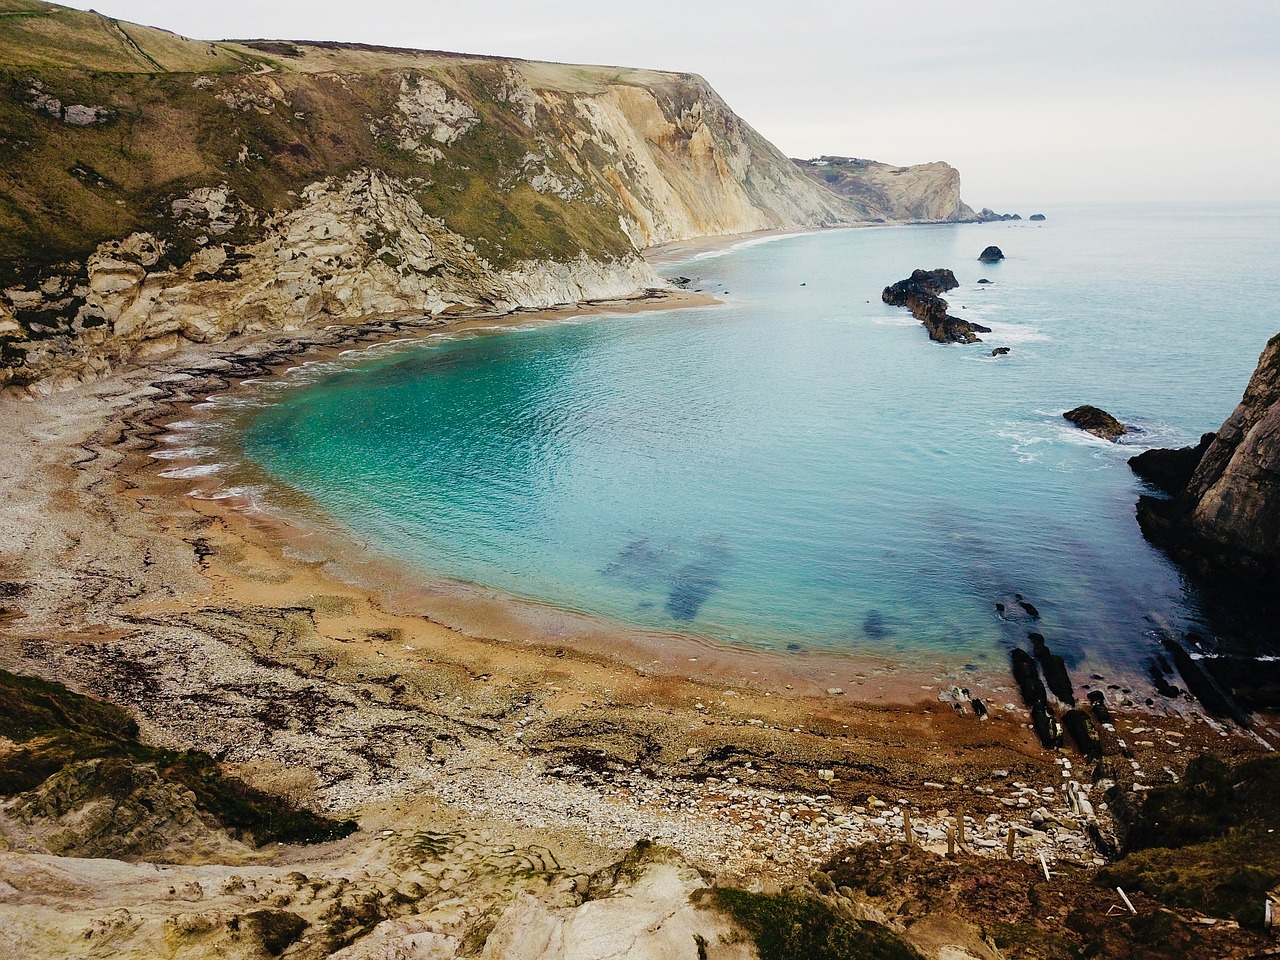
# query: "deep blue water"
802, 466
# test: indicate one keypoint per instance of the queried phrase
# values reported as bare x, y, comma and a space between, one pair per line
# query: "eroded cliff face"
928, 192
1224, 525
1235, 492
157, 190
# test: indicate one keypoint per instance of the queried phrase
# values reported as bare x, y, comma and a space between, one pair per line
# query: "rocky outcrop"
1036, 216
1224, 524
1096, 421
329, 182
919, 294
991, 255
881, 191
1169, 471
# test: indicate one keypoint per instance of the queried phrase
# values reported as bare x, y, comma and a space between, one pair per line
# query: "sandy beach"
416, 707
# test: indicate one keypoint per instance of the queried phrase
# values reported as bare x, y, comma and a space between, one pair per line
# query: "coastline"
188, 613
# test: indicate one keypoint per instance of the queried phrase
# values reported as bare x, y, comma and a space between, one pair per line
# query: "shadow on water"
653, 568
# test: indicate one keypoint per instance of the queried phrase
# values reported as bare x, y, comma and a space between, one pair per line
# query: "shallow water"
802, 467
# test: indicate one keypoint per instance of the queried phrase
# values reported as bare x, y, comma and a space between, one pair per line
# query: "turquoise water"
802, 467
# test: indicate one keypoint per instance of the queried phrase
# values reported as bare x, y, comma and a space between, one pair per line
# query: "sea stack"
919, 293
992, 254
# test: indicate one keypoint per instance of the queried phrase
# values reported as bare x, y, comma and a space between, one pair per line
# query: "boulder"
984, 280
1096, 421
991, 255
1036, 216
1000, 352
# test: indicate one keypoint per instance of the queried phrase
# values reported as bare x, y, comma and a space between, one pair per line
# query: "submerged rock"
1096, 421
991, 255
919, 293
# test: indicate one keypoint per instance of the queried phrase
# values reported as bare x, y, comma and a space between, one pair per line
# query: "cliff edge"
926, 192
155, 189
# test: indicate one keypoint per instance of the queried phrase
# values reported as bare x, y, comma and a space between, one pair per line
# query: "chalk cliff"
155, 189
881, 191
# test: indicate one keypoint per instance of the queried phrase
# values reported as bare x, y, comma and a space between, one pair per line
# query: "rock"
919, 293
1098, 422
1046, 726
835, 691
1082, 730
1171, 470
885, 192
987, 215
1036, 216
984, 280
1000, 352
1027, 677
991, 255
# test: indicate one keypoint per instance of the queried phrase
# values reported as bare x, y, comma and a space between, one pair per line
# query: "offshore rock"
919, 293
991, 254
1170, 470
1036, 216
1096, 421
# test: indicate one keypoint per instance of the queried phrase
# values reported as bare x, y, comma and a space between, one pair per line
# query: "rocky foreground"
920, 293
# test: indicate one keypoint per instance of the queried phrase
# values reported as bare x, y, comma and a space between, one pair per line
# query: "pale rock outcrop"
882, 191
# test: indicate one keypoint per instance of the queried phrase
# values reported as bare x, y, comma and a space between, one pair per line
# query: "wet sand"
384, 700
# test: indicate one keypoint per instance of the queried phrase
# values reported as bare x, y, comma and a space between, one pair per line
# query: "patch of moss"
792, 924
54, 727
1205, 843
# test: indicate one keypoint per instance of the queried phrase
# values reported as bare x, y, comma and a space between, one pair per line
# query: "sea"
799, 467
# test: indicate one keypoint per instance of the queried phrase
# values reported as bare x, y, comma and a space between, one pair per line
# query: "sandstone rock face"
1096, 421
882, 191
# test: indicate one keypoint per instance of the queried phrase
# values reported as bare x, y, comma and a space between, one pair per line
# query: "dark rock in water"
1091, 419
1036, 216
1055, 670
680, 281
991, 255
919, 293
1082, 730
1046, 726
1171, 470
1030, 608
1163, 686
999, 608
987, 215
984, 280
1214, 699
1000, 352
979, 708
874, 626
1027, 677
1099, 703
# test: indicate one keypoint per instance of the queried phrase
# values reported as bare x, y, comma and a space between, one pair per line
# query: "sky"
1035, 101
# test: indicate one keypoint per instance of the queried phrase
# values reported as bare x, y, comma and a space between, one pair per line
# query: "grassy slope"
65, 189
52, 727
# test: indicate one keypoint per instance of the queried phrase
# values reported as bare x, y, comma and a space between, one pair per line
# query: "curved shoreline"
187, 613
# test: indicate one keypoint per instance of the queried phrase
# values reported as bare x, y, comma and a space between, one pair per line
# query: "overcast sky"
1034, 101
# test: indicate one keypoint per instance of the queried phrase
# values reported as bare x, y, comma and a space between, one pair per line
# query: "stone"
1036, 216
991, 254
1000, 352
1096, 421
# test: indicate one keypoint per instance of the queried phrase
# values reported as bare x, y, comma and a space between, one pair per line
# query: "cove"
800, 468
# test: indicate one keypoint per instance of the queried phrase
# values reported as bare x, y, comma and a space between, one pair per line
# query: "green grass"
1206, 843
54, 727
791, 924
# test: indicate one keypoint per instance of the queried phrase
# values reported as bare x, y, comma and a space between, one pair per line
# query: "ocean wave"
190, 473
743, 245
